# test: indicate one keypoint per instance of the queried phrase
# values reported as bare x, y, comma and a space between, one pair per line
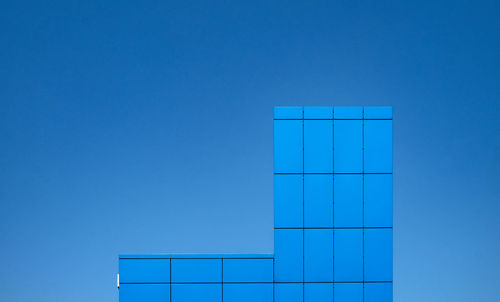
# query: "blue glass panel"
248, 270
288, 146
378, 200
378, 255
348, 200
248, 292
196, 270
318, 146
378, 292
288, 201
289, 255
318, 292
318, 112
287, 112
348, 255
318, 252
318, 200
348, 112
378, 112
378, 146
348, 145
348, 292
197, 292
144, 270
144, 292
288, 292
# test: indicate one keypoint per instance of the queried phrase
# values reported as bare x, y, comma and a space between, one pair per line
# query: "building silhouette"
332, 222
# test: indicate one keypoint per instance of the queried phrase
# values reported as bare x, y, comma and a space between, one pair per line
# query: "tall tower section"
333, 204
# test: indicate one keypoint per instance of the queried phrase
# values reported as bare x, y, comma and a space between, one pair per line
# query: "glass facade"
333, 222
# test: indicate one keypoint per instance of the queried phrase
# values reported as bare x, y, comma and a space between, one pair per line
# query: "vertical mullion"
333, 203
170, 279
222, 279
363, 192
303, 204
274, 281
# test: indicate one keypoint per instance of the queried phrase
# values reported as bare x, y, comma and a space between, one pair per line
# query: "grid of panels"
212, 278
333, 221
333, 204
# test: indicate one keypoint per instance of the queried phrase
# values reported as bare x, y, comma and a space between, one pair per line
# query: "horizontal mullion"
195, 258
330, 282
333, 119
225, 282
276, 282
330, 228
334, 173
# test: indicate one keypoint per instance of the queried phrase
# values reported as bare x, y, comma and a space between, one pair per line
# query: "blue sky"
146, 127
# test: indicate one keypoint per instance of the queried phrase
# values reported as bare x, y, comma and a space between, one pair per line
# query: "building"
332, 222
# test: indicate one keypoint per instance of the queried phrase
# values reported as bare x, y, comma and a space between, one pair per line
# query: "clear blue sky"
142, 127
